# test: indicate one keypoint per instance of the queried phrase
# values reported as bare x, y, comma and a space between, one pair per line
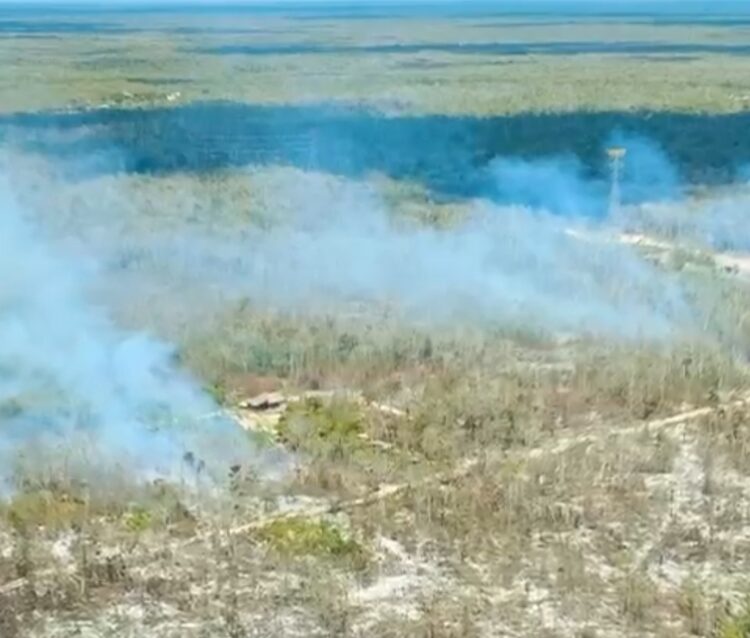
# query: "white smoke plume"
508, 266
537, 256
74, 385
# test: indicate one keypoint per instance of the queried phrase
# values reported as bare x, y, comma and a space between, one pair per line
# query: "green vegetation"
737, 626
55, 509
45, 509
93, 69
295, 537
334, 426
138, 520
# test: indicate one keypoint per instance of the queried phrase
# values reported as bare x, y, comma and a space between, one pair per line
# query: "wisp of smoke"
73, 383
647, 173
563, 186
718, 223
555, 184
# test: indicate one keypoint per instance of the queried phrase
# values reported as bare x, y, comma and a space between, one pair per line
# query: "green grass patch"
737, 626
297, 536
46, 509
138, 520
134, 508
324, 427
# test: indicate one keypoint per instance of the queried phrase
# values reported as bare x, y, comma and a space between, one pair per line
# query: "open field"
475, 65
320, 323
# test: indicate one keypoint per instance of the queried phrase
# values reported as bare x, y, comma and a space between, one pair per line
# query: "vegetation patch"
44, 509
298, 536
320, 426
135, 509
138, 520
737, 626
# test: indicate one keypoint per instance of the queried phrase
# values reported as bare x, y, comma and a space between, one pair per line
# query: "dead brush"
643, 383
10, 619
701, 613
441, 614
479, 470
726, 432
656, 453
637, 598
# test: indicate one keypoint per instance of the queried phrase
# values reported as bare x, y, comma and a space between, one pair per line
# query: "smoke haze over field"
505, 266
328, 242
539, 256
71, 381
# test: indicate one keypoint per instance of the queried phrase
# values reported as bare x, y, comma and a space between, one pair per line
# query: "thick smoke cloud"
509, 265
540, 255
71, 381
526, 257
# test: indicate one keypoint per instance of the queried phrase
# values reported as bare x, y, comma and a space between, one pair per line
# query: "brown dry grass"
574, 528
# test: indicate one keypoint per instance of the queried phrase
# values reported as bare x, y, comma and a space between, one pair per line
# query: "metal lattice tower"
616, 156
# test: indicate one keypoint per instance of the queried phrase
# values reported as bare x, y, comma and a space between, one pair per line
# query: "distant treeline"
443, 152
